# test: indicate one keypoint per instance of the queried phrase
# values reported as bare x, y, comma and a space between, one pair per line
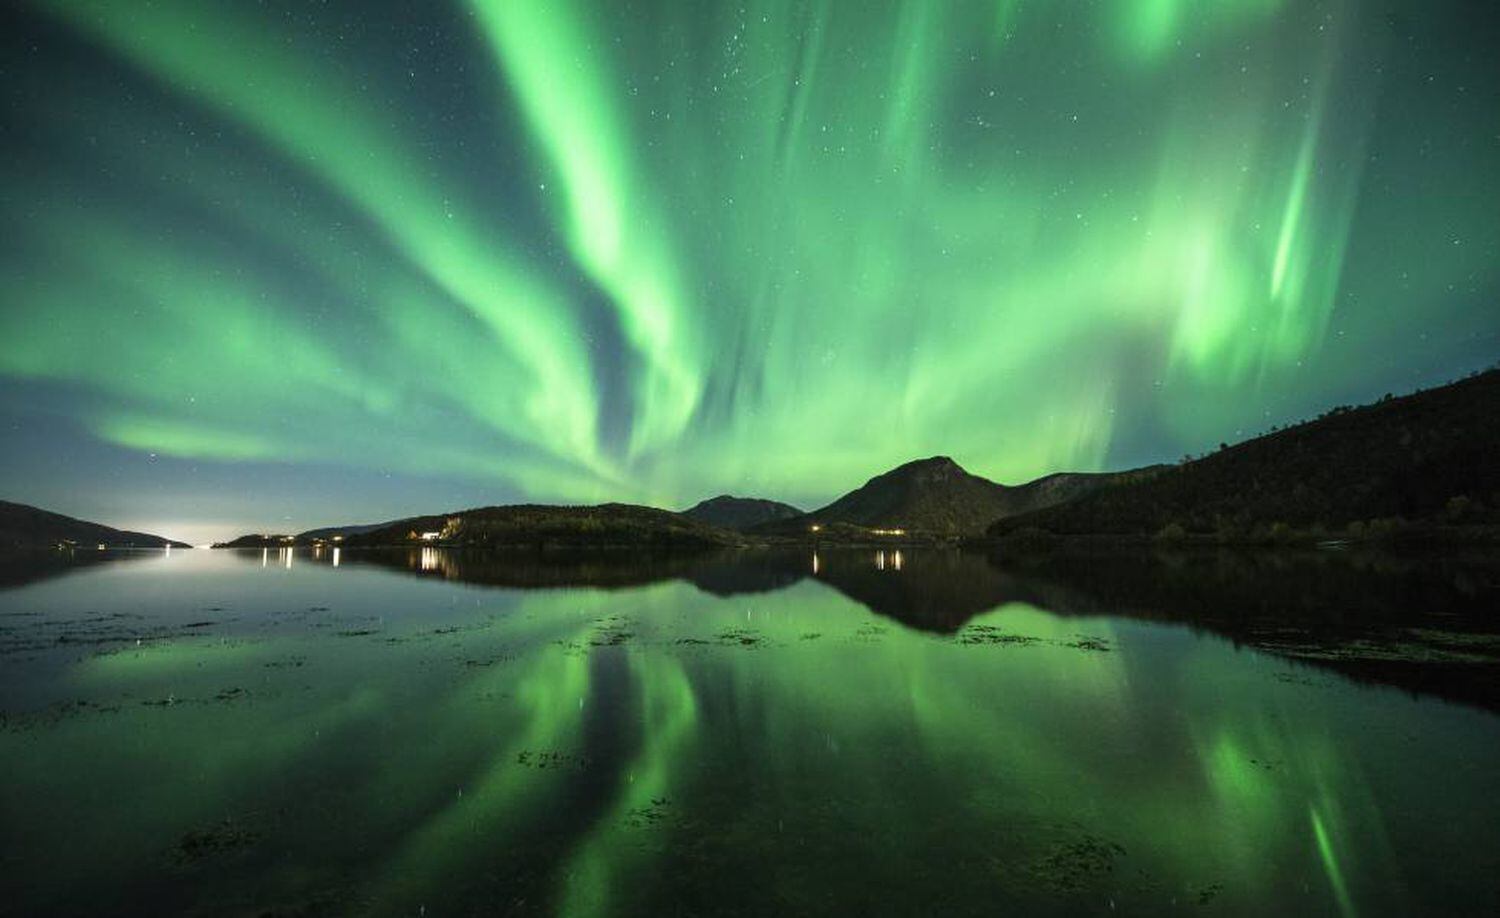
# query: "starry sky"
274, 265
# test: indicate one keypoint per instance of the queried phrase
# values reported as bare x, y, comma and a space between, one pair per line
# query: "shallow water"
241, 733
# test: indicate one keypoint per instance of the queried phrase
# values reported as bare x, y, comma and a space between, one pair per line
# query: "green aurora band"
651, 251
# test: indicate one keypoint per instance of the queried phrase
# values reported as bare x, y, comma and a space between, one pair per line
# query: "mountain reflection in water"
1426, 623
354, 732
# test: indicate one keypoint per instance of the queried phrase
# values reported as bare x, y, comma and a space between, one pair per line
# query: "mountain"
1424, 464
308, 537
1061, 487
22, 526
937, 496
535, 525
259, 540
611, 526
740, 512
332, 532
931, 495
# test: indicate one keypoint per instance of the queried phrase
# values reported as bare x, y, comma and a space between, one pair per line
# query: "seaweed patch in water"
742, 637
197, 845
551, 758
52, 714
989, 634
1089, 643
1075, 865
646, 816
611, 637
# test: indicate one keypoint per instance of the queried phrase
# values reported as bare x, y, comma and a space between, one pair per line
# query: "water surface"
896, 733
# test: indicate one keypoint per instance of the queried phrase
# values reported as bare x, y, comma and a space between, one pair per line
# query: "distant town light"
815, 528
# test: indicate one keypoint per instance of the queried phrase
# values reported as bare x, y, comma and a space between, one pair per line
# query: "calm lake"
845, 733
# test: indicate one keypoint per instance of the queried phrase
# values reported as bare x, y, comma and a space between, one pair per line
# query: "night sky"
274, 265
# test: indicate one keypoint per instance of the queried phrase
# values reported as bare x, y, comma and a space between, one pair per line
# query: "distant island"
1422, 467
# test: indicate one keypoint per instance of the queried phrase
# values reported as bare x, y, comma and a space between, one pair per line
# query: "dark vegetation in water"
741, 637
32, 635
53, 714
988, 634
211, 842
553, 759
658, 811
1075, 865
58, 712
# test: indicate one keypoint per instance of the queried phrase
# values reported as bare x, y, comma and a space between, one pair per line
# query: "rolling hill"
740, 512
1427, 462
602, 526
24, 526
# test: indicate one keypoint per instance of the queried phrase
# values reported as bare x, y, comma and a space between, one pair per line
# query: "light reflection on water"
885, 731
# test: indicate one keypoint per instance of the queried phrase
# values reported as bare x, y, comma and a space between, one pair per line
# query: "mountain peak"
723, 499
934, 494
933, 468
931, 462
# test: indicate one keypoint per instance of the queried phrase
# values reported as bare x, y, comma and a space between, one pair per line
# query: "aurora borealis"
296, 262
